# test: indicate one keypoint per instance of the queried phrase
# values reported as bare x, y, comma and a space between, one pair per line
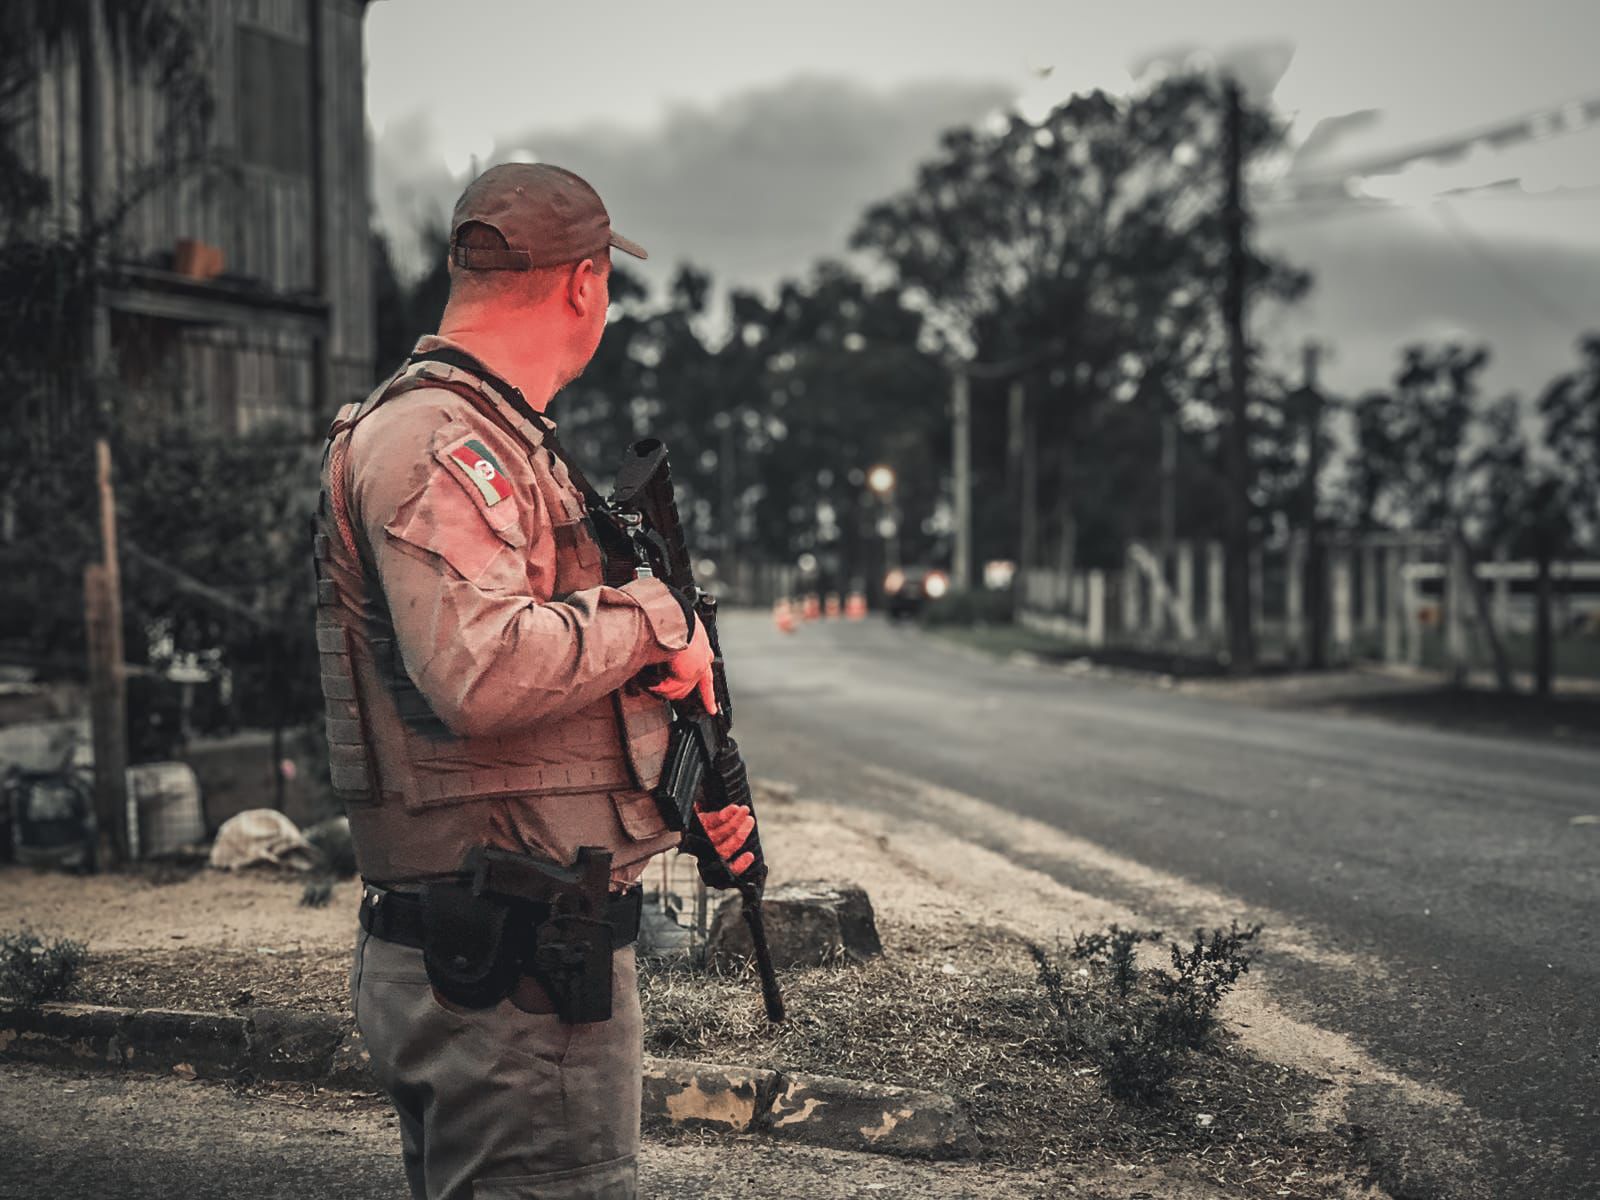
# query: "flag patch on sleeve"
474, 461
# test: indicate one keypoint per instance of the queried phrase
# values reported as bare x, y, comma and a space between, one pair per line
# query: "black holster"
518, 915
465, 947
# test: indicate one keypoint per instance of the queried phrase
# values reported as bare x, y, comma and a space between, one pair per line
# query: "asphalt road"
1452, 864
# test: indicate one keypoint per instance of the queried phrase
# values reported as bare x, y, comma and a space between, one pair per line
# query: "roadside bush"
34, 971
1141, 1026
977, 607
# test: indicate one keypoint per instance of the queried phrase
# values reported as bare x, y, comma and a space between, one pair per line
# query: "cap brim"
627, 246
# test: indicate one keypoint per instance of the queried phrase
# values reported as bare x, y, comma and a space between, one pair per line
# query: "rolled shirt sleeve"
469, 588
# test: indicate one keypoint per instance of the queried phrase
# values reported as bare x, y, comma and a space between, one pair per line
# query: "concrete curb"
306, 1047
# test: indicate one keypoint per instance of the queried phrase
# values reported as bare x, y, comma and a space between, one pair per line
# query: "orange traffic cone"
830, 606
811, 607
855, 606
783, 616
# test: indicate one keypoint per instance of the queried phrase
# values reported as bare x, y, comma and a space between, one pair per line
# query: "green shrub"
1141, 1027
34, 971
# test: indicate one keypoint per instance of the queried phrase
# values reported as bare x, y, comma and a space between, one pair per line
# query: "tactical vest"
419, 796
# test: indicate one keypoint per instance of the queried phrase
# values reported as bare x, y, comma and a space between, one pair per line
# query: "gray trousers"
498, 1103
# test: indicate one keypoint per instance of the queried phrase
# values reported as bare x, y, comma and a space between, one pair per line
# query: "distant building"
238, 297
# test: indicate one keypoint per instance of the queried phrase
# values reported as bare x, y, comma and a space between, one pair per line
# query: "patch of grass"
967, 1013
35, 971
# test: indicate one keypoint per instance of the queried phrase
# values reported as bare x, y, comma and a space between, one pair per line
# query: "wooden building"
237, 291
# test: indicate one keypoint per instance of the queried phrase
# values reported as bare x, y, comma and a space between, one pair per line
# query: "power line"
1447, 216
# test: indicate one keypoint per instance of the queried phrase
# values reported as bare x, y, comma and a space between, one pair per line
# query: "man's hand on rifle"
730, 831
690, 669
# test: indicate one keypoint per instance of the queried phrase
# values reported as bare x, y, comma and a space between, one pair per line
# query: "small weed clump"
34, 971
1141, 1027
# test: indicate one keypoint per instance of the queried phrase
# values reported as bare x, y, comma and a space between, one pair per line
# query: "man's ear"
581, 289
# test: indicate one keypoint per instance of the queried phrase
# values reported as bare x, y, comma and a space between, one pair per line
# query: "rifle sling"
462, 361
613, 542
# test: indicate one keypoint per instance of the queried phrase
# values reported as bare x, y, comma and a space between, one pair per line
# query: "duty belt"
397, 916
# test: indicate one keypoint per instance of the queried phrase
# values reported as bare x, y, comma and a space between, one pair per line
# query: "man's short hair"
527, 287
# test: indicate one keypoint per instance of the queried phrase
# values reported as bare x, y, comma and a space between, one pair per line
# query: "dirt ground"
192, 938
1263, 1124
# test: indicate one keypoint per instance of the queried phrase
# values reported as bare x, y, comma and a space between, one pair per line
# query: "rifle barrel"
771, 995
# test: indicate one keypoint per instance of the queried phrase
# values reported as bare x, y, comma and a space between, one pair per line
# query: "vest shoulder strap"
513, 397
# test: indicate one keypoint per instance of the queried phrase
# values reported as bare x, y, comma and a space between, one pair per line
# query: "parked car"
907, 589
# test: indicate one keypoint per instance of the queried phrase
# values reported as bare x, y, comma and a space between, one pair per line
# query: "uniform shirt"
464, 527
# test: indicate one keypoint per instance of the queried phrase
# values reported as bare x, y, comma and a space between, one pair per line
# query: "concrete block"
808, 923
350, 1068
849, 1114
286, 1043
689, 1095
67, 1034
189, 1043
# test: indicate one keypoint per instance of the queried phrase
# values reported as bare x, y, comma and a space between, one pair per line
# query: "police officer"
487, 687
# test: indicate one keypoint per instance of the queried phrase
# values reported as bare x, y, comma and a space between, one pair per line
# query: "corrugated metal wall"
256, 203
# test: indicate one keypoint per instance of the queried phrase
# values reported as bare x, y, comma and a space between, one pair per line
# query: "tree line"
1089, 245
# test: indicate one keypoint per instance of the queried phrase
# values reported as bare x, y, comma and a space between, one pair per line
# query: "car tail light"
894, 580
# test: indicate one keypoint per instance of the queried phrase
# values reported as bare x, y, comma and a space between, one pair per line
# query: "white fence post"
1294, 632
1371, 622
1216, 614
1394, 610
1096, 605
1455, 610
1131, 624
1500, 610
1343, 602
1411, 597
1185, 551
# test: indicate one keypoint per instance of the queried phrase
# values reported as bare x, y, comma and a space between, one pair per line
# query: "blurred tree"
404, 310
1570, 406
217, 562
214, 549
1096, 232
772, 428
1409, 470
213, 528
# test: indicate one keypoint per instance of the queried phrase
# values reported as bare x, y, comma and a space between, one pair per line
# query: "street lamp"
881, 481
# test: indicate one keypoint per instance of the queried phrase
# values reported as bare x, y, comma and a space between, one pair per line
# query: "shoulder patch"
482, 469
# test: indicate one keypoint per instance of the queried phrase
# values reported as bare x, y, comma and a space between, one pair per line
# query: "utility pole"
961, 377
1024, 463
727, 472
961, 453
102, 581
102, 585
1241, 633
1316, 573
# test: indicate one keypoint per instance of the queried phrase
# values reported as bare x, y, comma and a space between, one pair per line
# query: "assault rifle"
702, 755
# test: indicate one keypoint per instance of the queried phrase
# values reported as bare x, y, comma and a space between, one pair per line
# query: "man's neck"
520, 360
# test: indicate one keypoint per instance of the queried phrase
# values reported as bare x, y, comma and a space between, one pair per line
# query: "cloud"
1387, 277
753, 188
1258, 66
1327, 133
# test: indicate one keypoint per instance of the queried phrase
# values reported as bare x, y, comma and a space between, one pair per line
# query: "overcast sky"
746, 138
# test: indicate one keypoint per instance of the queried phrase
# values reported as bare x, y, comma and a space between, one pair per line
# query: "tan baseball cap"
547, 215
